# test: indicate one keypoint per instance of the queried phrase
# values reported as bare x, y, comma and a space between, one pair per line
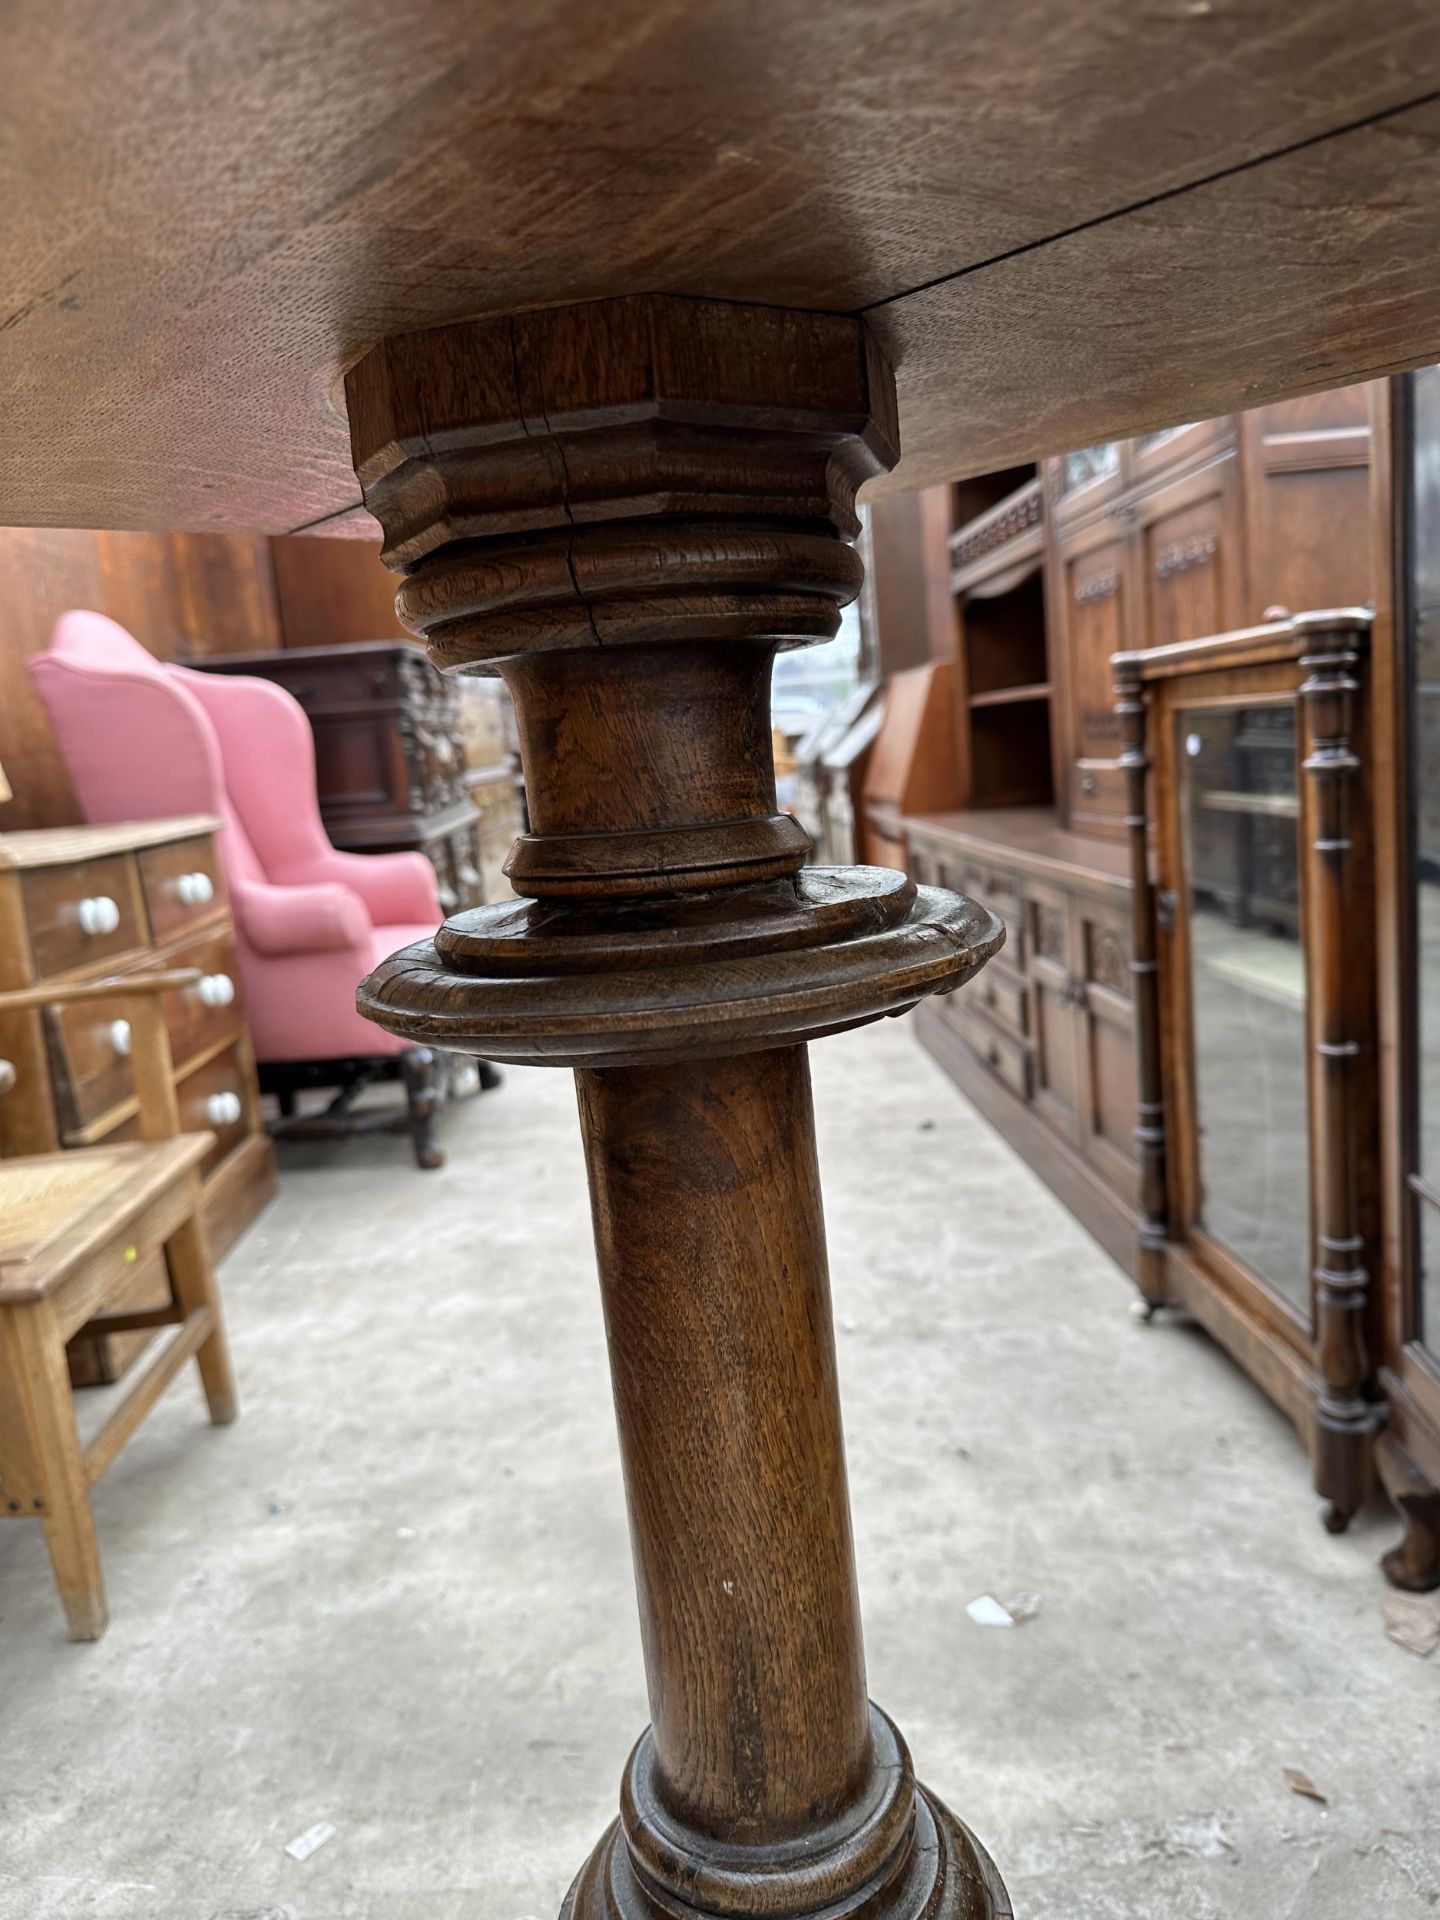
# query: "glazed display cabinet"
1253, 954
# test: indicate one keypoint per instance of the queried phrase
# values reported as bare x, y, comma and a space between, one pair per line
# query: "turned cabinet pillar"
625, 508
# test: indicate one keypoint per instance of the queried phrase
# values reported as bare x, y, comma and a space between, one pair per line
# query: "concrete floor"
396, 1596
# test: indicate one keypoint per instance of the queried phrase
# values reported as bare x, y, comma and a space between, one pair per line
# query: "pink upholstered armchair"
143, 740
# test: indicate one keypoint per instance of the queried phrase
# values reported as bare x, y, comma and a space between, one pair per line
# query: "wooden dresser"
389, 755
1128, 546
77, 903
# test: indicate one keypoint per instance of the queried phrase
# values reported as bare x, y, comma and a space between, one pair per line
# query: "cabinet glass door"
1239, 820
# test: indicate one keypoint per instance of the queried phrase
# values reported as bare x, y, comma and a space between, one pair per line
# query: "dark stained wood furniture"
1044, 1045
1232, 215
1123, 546
1258, 1046
389, 758
81, 903
671, 946
74, 1227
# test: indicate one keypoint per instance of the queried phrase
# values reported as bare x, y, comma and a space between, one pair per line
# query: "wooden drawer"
223, 1076
1097, 796
1007, 1058
200, 1092
89, 1044
1002, 995
183, 885
199, 1017
82, 914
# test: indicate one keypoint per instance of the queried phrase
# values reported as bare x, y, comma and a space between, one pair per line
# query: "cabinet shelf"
1012, 696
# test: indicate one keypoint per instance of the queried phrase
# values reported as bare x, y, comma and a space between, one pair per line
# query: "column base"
942, 1874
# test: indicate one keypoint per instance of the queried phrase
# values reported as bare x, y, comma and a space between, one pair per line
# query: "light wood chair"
72, 1227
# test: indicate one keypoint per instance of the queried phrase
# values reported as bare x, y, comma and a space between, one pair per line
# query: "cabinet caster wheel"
1146, 1310
1333, 1520
490, 1076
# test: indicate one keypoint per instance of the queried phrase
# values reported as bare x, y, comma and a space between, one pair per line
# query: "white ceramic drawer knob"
98, 914
216, 989
195, 889
120, 1037
9, 1078
222, 1109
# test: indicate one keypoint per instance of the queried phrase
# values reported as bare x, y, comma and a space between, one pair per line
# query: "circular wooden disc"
813, 908
713, 998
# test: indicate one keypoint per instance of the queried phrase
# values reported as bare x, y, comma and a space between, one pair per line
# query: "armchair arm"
394, 888
300, 919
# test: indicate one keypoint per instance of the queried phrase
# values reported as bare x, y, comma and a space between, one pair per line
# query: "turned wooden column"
1133, 715
1345, 1420
625, 508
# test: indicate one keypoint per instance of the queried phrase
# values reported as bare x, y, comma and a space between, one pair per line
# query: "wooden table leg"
624, 508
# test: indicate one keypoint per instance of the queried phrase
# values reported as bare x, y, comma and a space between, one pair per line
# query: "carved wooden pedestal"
625, 508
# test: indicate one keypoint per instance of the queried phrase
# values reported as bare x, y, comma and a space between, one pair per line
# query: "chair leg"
192, 1276
48, 1411
424, 1093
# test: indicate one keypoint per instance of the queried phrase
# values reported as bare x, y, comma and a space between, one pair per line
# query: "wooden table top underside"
1064, 219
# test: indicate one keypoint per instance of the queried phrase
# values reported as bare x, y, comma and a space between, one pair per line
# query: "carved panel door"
1054, 992
1093, 615
1106, 1033
1191, 556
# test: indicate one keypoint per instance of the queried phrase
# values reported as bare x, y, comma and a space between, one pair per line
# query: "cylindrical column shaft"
706, 1200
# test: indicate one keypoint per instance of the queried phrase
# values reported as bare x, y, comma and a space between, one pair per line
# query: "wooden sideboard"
1044, 1042
1055, 568
389, 757
78, 903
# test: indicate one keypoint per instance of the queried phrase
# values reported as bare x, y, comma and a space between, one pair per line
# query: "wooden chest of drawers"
82, 902
389, 758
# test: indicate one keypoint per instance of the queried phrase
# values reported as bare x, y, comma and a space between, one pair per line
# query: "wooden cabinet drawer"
183, 885
200, 1016
216, 1097
213, 1098
89, 1044
89, 1041
82, 914
1007, 1058
1002, 995
1097, 796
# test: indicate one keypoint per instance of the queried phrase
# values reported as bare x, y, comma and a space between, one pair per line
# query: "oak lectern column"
625, 508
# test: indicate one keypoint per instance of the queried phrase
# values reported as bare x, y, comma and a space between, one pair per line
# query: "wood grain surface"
220, 207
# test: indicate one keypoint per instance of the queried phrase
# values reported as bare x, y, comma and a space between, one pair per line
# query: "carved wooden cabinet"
1253, 925
1045, 1043
1197, 530
1124, 547
389, 756
79, 903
